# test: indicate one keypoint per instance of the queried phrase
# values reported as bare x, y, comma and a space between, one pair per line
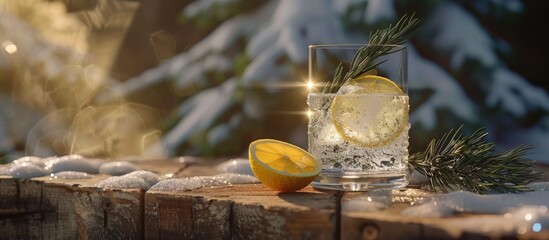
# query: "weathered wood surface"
48, 208
44, 208
249, 211
37, 210
390, 224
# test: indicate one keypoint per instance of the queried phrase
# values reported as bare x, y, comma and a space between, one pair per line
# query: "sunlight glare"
310, 85
9, 47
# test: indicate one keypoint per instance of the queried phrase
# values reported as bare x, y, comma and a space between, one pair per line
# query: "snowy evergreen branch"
468, 162
363, 60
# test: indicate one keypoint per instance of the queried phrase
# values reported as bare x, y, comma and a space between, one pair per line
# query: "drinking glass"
359, 133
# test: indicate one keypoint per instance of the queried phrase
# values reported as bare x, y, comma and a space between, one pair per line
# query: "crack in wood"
232, 223
18, 194
337, 231
142, 213
158, 217
105, 219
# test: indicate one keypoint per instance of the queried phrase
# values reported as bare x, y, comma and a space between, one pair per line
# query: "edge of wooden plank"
249, 211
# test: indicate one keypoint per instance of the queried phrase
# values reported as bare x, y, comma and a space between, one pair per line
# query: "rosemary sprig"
470, 163
363, 59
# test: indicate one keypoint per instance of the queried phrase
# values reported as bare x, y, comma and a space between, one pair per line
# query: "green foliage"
219, 12
241, 62
468, 162
363, 60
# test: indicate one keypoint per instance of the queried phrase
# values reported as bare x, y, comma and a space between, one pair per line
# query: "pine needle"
363, 60
458, 162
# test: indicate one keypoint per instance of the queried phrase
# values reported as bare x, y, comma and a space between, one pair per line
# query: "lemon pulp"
282, 166
372, 112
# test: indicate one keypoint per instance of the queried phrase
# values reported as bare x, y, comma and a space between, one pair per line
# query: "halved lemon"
372, 112
282, 166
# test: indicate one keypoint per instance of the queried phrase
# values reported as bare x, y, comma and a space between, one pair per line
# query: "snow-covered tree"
235, 84
245, 78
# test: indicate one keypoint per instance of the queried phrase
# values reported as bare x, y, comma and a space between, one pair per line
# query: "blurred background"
119, 78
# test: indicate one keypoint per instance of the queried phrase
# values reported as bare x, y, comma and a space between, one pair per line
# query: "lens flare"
9, 47
310, 85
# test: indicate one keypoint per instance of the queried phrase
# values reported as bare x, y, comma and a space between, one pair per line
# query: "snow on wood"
50, 208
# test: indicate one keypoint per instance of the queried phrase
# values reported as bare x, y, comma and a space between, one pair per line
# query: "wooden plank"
52, 210
49, 208
92, 213
44, 208
250, 211
174, 216
391, 224
21, 208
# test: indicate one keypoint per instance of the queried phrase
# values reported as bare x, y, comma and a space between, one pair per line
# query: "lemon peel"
282, 166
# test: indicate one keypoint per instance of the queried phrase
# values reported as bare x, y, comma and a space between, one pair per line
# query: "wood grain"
50, 210
249, 211
391, 224
44, 208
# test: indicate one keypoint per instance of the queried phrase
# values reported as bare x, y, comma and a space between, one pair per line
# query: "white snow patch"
447, 93
72, 163
375, 200
294, 25
511, 213
515, 94
197, 7
489, 7
468, 202
196, 73
452, 31
500, 214
264, 67
117, 168
37, 161
237, 165
123, 182
379, 10
137, 179
187, 184
199, 114
149, 177
375, 11
26, 170
70, 175
26, 167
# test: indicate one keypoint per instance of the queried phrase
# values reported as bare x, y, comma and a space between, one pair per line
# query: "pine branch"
363, 60
468, 162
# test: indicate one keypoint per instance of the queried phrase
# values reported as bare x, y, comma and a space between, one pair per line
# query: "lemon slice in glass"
282, 166
372, 111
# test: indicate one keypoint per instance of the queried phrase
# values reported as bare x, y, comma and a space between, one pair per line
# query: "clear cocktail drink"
360, 133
